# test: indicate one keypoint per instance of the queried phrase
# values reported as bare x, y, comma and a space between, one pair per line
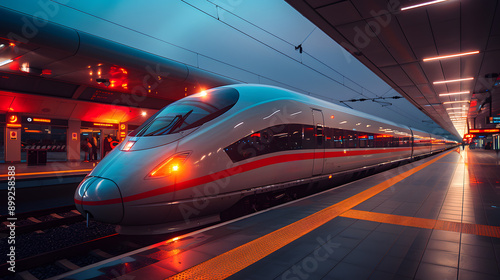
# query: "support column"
12, 144
72, 142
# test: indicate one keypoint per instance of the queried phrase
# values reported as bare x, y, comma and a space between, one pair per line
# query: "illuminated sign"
100, 125
74, 136
104, 124
36, 120
484, 130
13, 120
41, 120
13, 135
493, 120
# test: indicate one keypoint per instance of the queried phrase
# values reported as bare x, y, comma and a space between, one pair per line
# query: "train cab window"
189, 112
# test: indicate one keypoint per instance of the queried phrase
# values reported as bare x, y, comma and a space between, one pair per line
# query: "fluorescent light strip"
452, 102
450, 56
6, 62
460, 108
422, 4
452, 81
454, 93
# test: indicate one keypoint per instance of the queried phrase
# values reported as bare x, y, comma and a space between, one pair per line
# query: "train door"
319, 151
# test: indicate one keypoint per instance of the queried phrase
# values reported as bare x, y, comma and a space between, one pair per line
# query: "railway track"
42, 219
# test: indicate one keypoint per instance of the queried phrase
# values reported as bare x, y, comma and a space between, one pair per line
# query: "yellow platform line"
484, 230
247, 254
47, 172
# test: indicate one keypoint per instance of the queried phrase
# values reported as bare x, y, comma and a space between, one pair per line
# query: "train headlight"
128, 146
170, 166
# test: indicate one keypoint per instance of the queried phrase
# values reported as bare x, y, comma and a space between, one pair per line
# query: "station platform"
49, 174
436, 218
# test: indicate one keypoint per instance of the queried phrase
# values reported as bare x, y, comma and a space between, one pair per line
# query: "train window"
328, 137
319, 136
295, 136
338, 138
350, 139
189, 112
365, 140
309, 139
270, 140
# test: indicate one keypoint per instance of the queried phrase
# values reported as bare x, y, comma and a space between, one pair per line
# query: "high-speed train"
202, 154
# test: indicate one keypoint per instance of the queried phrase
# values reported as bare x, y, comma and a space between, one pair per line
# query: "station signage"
13, 120
493, 120
491, 130
37, 120
100, 125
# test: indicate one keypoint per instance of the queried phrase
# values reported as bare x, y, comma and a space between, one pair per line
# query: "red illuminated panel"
104, 124
13, 120
41, 120
484, 130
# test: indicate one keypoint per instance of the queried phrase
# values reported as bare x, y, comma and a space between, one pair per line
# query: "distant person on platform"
87, 147
107, 145
95, 146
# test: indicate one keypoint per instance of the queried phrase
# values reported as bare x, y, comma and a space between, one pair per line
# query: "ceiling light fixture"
422, 4
462, 108
452, 81
454, 93
450, 56
6, 62
459, 101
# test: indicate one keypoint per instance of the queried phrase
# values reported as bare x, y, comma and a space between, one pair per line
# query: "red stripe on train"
240, 169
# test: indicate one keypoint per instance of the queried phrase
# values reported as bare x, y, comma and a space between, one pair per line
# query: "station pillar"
12, 144
73, 140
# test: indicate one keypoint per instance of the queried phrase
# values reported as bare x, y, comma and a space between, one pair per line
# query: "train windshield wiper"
180, 122
171, 127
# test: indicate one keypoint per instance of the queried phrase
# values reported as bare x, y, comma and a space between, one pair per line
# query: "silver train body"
201, 155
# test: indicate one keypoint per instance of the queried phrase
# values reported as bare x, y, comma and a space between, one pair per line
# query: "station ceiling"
52, 70
393, 37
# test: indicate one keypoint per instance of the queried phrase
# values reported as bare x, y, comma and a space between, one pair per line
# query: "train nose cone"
100, 198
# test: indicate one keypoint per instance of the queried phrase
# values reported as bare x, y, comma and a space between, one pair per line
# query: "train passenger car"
202, 154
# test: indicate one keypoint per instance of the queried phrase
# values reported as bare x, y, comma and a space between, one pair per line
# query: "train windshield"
189, 112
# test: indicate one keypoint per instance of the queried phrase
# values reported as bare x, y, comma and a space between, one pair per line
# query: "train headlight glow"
168, 167
128, 146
